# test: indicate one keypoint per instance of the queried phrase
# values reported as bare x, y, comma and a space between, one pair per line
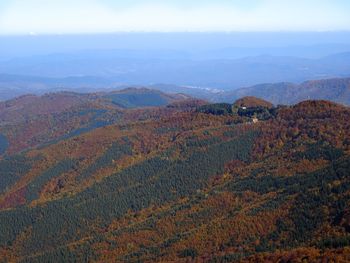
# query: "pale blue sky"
101, 16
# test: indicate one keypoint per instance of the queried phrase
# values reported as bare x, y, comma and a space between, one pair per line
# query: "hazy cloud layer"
92, 16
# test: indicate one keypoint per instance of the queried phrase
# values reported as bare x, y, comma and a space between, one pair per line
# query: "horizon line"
35, 34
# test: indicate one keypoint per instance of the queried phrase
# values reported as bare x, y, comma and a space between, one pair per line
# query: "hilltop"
251, 102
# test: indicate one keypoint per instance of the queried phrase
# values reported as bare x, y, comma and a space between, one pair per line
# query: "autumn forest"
101, 178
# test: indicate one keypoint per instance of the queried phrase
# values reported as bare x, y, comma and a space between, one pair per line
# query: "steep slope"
185, 186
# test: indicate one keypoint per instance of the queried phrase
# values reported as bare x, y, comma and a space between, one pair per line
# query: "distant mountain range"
335, 89
115, 68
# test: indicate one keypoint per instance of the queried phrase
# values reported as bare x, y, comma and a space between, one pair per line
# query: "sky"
33, 17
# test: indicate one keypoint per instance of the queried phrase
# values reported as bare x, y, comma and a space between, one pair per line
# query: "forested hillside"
185, 182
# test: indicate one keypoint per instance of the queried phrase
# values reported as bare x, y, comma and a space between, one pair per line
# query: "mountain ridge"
337, 90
